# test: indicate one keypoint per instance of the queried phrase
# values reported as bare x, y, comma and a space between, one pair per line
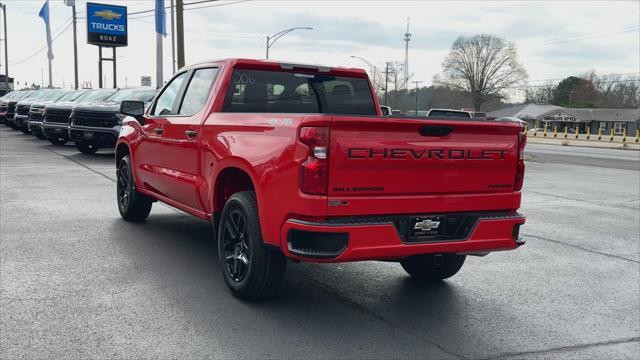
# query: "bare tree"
541, 94
483, 65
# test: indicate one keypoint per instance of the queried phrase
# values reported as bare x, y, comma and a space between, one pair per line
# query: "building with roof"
539, 115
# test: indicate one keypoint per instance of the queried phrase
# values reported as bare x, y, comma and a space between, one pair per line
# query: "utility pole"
6, 49
180, 32
417, 83
173, 40
72, 3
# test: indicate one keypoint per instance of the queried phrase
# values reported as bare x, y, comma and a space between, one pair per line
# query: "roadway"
77, 282
598, 157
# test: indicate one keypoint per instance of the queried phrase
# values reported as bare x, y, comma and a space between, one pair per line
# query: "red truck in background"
296, 161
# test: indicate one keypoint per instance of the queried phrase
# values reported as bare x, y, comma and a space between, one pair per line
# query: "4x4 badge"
426, 225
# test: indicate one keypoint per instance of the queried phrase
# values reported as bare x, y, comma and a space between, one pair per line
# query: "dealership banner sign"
106, 25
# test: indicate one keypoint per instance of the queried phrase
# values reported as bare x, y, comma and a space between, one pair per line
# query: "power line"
210, 6
44, 47
522, 87
598, 76
623, 30
187, 4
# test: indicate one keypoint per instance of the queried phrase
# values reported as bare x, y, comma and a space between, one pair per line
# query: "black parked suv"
8, 105
36, 114
55, 122
97, 125
21, 118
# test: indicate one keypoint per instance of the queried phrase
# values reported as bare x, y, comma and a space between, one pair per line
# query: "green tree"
575, 92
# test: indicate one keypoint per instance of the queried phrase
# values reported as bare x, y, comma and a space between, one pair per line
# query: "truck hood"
99, 106
35, 102
64, 105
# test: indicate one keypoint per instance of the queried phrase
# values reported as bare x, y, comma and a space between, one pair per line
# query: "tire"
132, 205
58, 141
86, 148
428, 268
251, 270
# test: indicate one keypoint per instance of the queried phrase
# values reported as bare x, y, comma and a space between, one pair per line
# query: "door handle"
158, 130
190, 133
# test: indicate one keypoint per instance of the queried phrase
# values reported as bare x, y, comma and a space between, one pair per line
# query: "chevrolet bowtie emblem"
426, 225
107, 14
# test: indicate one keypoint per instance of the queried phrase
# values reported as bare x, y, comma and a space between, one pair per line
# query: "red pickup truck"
296, 161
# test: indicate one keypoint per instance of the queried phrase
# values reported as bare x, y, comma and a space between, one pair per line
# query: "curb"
585, 143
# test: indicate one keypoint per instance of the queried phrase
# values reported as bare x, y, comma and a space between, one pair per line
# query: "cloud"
373, 30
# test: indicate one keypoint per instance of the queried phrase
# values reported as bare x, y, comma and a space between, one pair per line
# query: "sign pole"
115, 85
100, 67
106, 27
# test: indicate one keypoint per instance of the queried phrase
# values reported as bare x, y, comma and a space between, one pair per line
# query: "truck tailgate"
447, 161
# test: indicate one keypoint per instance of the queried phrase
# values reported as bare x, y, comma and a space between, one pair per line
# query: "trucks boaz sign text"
106, 25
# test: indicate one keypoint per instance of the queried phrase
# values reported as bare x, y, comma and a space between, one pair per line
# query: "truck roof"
286, 65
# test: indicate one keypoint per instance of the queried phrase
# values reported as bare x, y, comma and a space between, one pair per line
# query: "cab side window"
198, 91
164, 105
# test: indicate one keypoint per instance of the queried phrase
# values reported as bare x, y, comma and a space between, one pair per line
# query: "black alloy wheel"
251, 270
123, 188
235, 243
132, 205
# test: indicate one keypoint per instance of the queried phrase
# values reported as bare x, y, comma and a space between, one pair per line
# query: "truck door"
180, 141
149, 150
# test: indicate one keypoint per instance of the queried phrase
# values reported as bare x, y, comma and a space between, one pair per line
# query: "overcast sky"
555, 39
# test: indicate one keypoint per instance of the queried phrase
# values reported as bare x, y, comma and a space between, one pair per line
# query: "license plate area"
426, 227
87, 135
435, 228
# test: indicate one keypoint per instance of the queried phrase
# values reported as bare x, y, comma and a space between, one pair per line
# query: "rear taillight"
522, 141
314, 171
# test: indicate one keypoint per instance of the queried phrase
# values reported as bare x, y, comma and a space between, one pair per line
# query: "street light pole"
386, 83
271, 39
417, 83
372, 68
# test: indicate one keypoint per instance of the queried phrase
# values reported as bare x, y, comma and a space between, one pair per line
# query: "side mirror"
132, 108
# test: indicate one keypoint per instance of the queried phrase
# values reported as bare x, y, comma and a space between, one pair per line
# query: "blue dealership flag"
44, 14
161, 18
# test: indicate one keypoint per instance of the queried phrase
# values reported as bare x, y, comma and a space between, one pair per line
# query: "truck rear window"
261, 91
450, 113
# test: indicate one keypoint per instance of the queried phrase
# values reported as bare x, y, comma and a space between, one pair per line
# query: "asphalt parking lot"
78, 282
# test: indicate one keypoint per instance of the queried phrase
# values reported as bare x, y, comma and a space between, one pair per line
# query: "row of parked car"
89, 117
